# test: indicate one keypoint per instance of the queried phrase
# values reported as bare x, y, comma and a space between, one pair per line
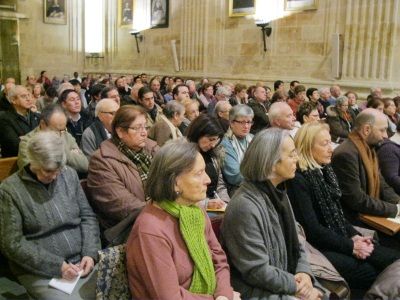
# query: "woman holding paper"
172, 251
47, 227
315, 197
206, 132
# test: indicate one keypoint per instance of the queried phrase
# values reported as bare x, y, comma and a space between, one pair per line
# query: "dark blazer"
261, 120
13, 126
352, 177
389, 163
339, 127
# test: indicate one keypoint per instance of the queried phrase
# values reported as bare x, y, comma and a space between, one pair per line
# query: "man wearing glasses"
17, 121
100, 130
53, 118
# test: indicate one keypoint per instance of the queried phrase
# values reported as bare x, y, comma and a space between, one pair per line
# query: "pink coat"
114, 186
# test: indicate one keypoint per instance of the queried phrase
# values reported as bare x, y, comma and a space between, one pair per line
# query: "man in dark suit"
17, 121
356, 165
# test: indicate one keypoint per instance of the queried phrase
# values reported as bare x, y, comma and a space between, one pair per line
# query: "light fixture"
266, 31
138, 37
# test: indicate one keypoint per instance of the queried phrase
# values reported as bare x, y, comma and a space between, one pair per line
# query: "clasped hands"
362, 246
70, 271
305, 289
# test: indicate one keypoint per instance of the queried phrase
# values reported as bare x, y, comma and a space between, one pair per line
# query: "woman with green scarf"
172, 251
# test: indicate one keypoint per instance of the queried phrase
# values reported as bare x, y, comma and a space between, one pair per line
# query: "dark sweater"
389, 163
41, 227
308, 214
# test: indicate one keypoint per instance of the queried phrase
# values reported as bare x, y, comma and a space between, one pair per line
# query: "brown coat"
114, 185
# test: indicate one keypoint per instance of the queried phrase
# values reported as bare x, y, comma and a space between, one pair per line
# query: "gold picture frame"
125, 12
240, 8
300, 5
55, 12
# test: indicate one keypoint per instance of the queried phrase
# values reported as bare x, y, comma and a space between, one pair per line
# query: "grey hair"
240, 110
323, 90
367, 116
340, 100
46, 150
14, 91
223, 90
173, 107
275, 111
173, 159
220, 106
263, 153
100, 105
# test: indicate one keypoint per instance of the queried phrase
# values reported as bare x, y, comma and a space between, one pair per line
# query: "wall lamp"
138, 38
266, 31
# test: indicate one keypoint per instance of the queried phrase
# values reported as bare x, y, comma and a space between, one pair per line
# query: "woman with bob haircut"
118, 171
206, 132
259, 231
340, 119
167, 128
315, 197
172, 251
47, 227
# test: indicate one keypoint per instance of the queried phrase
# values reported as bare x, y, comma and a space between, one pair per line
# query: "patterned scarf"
326, 192
141, 159
192, 225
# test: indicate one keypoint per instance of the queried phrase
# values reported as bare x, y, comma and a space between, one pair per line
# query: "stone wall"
211, 44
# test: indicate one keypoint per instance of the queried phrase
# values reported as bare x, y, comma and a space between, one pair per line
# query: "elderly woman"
207, 133
307, 112
352, 96
390, 111
172, 251
259, 231
340, 119
167, 128
235, 143
118, 171
315, 197
47, 227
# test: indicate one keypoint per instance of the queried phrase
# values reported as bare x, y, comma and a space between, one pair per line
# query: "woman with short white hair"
47, 227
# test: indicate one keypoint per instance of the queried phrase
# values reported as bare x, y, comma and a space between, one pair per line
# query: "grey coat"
256, 249
40, 227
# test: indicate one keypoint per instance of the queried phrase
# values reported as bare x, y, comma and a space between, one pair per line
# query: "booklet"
66, 286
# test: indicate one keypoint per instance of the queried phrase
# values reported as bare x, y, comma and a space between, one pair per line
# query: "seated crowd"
108, 162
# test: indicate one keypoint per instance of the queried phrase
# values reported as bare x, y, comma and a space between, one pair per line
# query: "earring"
178, 193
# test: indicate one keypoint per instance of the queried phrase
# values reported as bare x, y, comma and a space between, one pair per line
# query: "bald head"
371, 124
281, 115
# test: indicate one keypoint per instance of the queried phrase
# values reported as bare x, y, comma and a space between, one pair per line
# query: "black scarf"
326, 192
281, 204
212, 172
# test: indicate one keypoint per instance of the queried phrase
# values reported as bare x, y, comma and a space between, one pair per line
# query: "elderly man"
260, 106
221, 111
193, 94
133, 97
356, 165
281, 115
325, 95
17, 121
100, 130
336, 92
5, 103
223, 93
53, 118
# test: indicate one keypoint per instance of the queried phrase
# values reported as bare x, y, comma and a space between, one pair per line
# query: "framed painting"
239, 8
159, 13
55, 11
293, 5
125, 13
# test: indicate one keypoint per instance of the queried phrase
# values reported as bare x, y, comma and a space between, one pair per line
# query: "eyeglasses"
59, 132
109, 112
140, 128
243, 122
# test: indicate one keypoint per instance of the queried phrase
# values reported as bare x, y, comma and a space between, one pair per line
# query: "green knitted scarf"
192, 226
